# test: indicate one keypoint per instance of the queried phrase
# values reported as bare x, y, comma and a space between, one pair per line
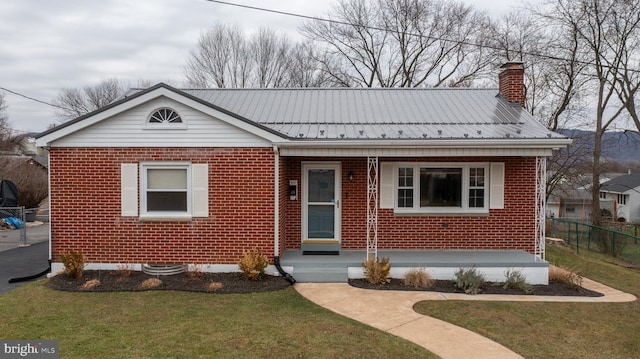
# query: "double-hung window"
622, 199
442, 188
166, 189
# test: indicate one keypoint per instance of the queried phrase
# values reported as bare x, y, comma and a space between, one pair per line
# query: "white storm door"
321, 202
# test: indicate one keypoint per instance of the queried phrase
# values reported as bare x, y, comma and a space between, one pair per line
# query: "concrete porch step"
320, 275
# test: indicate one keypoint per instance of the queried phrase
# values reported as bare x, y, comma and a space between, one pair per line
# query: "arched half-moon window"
165, 115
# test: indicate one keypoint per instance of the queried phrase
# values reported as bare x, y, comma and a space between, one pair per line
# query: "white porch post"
541, 183
372, 208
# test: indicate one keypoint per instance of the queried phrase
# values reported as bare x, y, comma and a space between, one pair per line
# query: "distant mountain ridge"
621, 146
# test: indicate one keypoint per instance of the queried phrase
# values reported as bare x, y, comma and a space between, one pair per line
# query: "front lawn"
557, 330
167, 324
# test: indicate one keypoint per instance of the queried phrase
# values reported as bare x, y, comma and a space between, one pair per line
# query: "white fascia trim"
47, 140
432, 143
416, 152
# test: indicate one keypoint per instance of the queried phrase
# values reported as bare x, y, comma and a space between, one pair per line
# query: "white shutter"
200, 190
129, 189
496, 187
386, 185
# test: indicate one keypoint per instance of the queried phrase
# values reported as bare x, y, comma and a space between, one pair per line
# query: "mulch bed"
447, 286
116, 281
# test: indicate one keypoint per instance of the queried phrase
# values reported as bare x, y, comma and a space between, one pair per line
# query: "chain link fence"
13, 227
619, 241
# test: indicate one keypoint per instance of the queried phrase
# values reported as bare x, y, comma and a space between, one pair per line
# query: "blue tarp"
13, 222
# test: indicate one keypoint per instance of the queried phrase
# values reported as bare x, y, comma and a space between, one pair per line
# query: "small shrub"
125, 270
253, 264
516, 280
213, 286
90, 284
195, 271
74, 263
377, 271
418, 278
469, 280
565, 276
151, 283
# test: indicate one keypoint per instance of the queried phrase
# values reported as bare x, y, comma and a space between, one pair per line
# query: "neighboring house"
449, 177
573, 204
622, 196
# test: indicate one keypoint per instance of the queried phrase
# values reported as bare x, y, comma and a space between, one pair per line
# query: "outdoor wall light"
350, 176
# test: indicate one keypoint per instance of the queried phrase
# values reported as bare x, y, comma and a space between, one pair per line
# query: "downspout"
276, 215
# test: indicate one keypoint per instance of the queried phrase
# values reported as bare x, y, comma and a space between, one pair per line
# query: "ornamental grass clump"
74, 263
377, 271
253, 264
516, 280
469, 280
565, 276
418, 278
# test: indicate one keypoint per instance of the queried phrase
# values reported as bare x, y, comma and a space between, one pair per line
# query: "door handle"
338, 203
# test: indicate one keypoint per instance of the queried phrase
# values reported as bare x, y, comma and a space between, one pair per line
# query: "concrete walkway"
392, 312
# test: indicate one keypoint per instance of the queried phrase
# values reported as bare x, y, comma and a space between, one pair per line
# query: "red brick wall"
508, 228
85, 207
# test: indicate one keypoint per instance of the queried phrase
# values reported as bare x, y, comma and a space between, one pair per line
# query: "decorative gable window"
165, 118
165, 115
442, 187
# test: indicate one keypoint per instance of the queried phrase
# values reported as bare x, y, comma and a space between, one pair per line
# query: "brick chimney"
512, 82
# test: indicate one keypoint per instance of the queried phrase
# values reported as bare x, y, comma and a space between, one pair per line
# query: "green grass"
162, 324
557, 330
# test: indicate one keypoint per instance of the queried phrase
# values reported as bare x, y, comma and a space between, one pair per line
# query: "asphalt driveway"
16, 261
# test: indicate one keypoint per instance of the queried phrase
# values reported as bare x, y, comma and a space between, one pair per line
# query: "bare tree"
603, 28
226, 57
270, 54
303, 68
555, 86
5, 130
220, 59
9, 141
401, 43
75, 102
29, 177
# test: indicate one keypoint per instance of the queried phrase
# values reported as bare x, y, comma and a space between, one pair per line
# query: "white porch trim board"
372, 208
540, 206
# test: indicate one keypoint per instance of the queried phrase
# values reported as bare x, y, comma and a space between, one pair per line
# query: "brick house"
437, 178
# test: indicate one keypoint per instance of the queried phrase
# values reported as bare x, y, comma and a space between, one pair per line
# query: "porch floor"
439, 263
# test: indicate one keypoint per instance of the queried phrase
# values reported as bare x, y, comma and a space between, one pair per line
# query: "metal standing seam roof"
380, 113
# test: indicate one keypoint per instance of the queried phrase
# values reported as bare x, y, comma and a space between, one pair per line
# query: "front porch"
440, 264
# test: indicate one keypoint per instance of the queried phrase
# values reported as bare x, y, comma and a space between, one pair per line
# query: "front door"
321, 203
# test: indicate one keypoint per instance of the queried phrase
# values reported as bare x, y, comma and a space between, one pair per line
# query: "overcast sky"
49, 45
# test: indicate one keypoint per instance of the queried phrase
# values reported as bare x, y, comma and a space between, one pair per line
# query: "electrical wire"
458, 42
34, 99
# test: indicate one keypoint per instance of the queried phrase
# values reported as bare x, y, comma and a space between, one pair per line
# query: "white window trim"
464, 209
143, 190
622, 199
